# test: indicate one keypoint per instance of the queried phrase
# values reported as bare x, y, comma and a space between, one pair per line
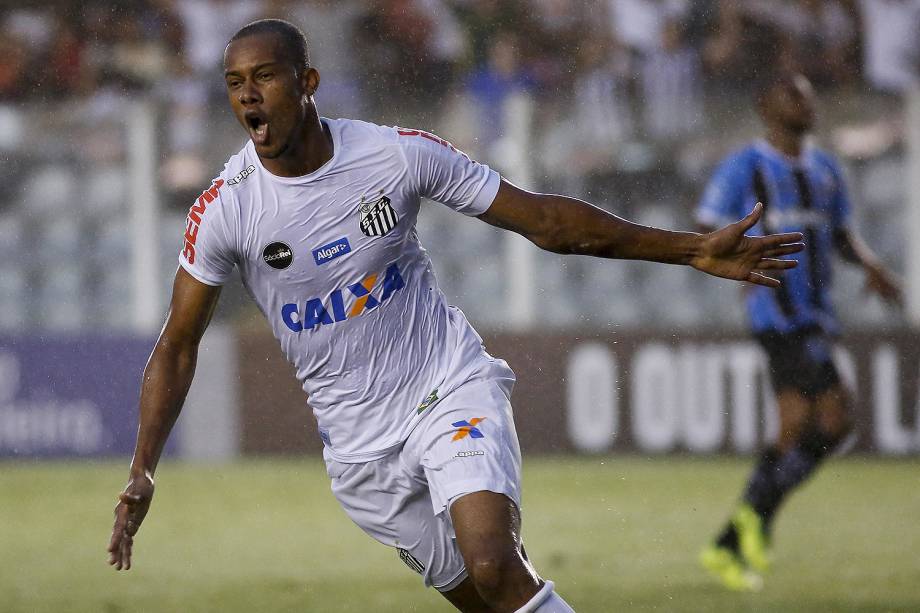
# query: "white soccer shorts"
466, 444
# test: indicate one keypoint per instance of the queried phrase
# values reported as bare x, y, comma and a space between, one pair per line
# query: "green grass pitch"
614, 533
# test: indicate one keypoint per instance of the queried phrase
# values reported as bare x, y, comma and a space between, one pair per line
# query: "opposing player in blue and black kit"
803, 190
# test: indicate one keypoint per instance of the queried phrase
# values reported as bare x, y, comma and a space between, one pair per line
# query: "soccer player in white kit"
318, 215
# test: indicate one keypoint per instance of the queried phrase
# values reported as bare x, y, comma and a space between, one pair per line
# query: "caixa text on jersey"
345, 303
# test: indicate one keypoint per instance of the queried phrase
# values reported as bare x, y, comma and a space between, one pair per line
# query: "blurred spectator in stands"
586, 137
671, 80
483, 20
134, 59
820, 36
700, 21
501, 76
208, 25
891, 47
407, 50
638, 24
743, 47
329, 26
554, 37
184, 168
828, 41
63, 70
15, 82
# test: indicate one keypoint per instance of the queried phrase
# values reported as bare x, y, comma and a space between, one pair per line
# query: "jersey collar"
336, 149
768, 150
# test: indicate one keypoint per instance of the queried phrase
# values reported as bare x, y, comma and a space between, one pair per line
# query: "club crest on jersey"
377, 215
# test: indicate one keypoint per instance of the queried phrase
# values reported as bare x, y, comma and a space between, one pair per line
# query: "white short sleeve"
207, 251
447, 175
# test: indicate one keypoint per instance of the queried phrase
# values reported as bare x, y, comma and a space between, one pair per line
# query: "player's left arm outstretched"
568, 225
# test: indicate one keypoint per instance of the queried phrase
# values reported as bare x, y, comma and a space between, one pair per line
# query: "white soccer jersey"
334, 262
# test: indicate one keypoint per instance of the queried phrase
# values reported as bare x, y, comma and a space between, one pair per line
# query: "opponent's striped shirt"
334, 262
805, 194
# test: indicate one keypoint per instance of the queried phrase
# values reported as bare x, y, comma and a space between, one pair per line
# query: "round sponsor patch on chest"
278, 255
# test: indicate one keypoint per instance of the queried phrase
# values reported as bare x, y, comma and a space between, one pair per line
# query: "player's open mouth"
258, 129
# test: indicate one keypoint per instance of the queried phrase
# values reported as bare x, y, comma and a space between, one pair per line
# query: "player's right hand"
130, 511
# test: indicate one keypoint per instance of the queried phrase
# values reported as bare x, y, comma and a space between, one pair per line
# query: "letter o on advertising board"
654, 399
592, 410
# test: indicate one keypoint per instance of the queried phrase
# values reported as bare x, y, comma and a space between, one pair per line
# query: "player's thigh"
391, 503
469, 444
486, 524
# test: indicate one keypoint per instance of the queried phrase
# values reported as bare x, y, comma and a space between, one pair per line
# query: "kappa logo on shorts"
377, 216
467, 428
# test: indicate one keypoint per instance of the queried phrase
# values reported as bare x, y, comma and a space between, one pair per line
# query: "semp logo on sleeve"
377, 216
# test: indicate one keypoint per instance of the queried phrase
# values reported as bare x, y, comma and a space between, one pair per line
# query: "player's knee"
792, 424
837, 426
834, 416
492, 572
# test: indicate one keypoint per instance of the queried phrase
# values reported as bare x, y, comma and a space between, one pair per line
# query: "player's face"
267, 92
791, 103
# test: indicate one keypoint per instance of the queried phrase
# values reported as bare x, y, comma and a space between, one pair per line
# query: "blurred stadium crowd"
630, 101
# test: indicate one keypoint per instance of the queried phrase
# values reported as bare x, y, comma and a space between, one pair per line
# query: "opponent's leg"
826, 427
746, 533
762, 493
829, 426
488, 529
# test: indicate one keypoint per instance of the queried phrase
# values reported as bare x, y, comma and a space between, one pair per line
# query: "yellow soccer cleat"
752, 541
728, 569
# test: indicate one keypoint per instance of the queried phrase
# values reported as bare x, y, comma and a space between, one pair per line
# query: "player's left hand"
132, 507
729, 254
880, 281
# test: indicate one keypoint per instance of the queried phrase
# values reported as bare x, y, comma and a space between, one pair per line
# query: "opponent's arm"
566, 225
166, 382
878, 278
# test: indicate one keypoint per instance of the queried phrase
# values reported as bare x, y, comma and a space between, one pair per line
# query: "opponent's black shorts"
800, 360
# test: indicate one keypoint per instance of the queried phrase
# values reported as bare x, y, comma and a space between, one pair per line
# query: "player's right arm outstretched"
166, 381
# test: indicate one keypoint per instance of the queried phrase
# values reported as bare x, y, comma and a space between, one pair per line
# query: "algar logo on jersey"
345, 303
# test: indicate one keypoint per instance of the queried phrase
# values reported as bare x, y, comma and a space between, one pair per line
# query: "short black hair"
292, 38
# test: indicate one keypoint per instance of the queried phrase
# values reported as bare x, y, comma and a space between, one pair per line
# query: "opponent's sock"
762, 492
546, 601
794, 467
758, 493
